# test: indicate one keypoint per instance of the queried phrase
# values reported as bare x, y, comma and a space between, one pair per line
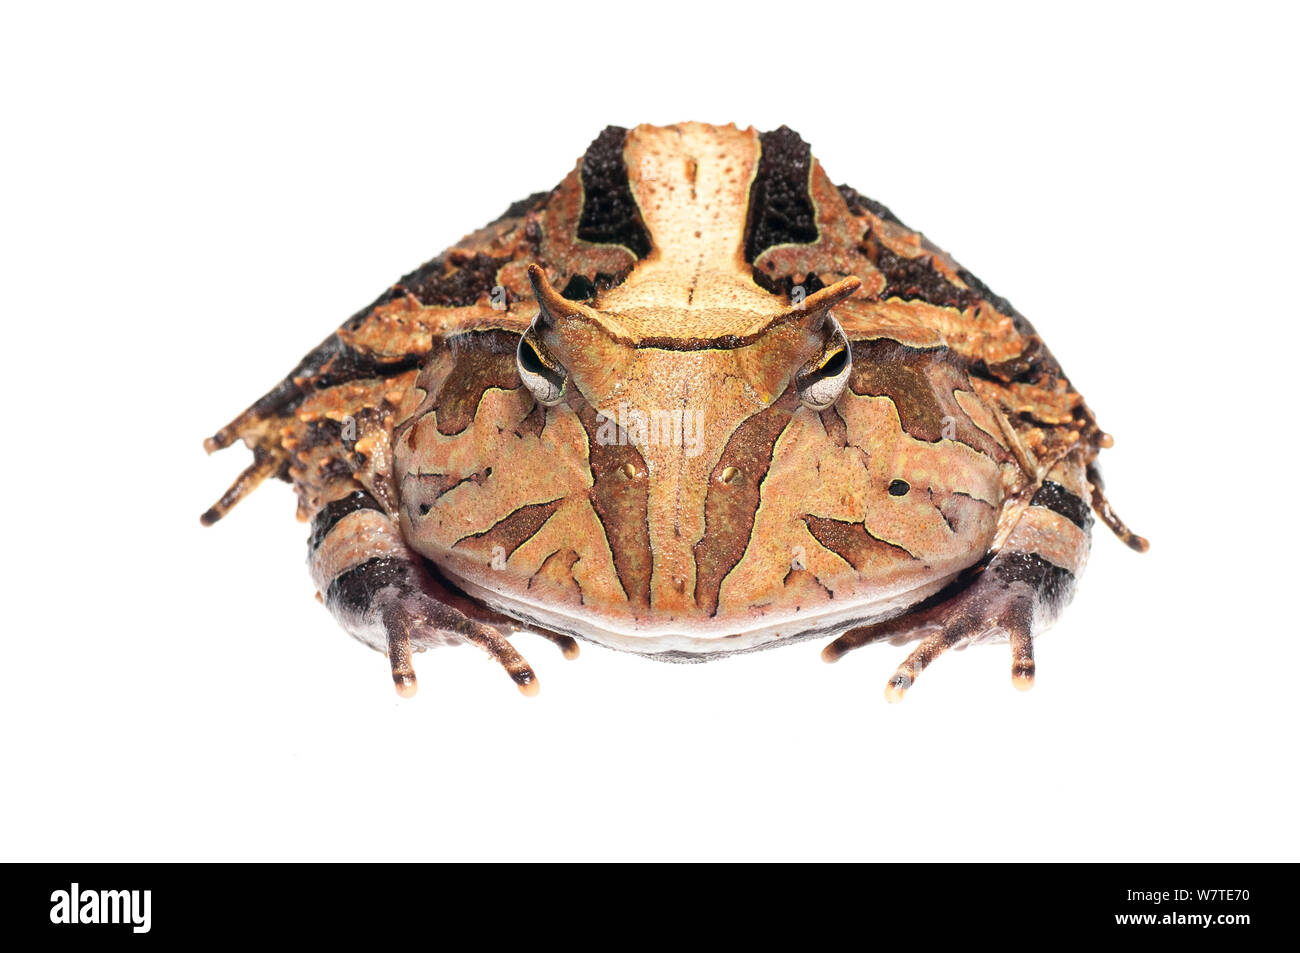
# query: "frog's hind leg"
1014, 596
382, 594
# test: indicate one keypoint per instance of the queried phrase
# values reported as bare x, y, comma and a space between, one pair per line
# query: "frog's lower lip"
675, 644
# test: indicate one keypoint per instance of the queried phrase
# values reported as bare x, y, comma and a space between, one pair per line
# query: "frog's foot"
1014, 596
417, 613
382, 594
1003, 601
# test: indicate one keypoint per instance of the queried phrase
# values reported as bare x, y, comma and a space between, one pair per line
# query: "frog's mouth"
692, 642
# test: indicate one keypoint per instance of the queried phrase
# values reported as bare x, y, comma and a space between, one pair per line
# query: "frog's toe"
1016, 595
899, 630
1009, 619
419, 619
1022, 659
955, 633
399, 662
567, 645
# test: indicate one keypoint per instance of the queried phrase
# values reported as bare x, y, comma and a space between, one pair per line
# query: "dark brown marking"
730, 508
1058, 499
355, 589
781, 209
915, 379
516, 529
610, 215
785, 284
522, 207
329, 515
1031, 366
916, 279
484, 359
337, 470
836, 429
620, 495
582, 288
1053, 585
454, 280
983, 290
579, 288
1018, 320
319, 433
533, 423
334, 362
859, 204
852, 542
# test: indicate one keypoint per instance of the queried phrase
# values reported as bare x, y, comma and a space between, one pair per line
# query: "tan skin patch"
554, 579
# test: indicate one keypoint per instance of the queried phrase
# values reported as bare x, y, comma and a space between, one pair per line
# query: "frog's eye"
822, 380
540, 372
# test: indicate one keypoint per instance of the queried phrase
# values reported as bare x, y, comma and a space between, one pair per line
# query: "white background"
193, 199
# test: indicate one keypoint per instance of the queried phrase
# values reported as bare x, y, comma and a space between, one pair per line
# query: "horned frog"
693, 401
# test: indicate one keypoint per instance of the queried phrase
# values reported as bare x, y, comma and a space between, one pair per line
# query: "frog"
693, 401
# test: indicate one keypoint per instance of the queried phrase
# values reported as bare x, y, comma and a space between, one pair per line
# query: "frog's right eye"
541, 373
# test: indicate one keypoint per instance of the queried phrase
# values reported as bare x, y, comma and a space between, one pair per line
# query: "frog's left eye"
541, 373
822, 380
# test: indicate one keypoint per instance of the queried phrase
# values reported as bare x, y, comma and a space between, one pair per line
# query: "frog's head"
624, 356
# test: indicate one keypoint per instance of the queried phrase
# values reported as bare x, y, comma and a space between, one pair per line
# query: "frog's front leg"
380, 592
1014, 596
